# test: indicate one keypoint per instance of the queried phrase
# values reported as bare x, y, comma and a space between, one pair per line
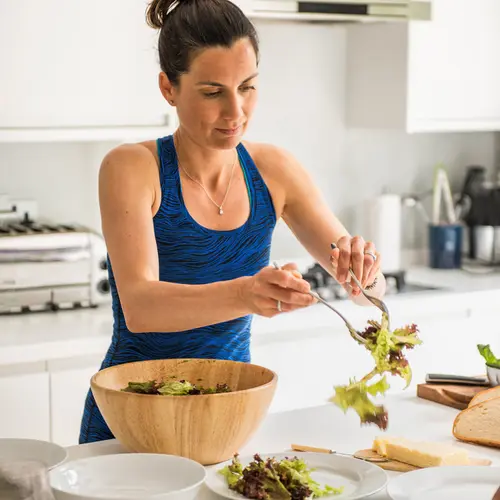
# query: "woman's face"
216, 98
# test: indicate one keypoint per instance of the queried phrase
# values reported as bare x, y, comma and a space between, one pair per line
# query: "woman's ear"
167, 88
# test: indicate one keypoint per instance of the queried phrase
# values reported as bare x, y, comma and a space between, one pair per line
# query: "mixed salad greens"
386, 348
488, 355
174, 388
274, 479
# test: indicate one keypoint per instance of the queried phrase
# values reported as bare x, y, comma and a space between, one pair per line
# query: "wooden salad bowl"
208, 428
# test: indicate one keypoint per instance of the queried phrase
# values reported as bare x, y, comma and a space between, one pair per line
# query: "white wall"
301, 108
58, 175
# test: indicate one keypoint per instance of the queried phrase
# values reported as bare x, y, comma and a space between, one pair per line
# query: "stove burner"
327, 287
30, 227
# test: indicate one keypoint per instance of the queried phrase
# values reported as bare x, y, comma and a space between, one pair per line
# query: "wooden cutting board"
396, 466
456, 396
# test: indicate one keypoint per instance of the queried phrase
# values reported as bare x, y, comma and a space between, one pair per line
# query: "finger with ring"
371, 254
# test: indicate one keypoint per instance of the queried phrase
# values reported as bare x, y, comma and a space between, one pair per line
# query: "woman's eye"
211, 95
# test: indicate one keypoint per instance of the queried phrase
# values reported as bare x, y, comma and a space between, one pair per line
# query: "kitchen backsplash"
301, 108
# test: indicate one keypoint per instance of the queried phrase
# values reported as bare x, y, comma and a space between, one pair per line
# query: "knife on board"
442, 378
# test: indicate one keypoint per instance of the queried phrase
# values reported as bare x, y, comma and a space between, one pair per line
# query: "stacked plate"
131, 476
20, 450
453, 482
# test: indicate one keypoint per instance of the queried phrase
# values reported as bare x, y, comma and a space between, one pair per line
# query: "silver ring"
372, 255
278, 305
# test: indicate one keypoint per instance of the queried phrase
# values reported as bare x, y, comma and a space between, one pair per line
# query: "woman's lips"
229, 131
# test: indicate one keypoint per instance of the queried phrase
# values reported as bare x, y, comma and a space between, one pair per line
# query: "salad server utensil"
354, 333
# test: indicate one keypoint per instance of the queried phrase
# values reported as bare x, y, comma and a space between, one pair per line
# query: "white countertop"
327, 427
47, 336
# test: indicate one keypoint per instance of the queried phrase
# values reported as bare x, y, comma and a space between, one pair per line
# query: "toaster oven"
50, 266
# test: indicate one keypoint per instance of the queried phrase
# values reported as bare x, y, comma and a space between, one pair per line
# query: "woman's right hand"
272, 291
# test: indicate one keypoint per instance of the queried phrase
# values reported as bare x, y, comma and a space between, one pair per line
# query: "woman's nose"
233, 109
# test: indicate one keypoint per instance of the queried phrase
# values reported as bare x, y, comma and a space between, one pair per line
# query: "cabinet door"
24, 411
454, 69
75, 63
69, 385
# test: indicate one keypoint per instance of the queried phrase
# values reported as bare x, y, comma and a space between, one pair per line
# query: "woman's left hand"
361, 256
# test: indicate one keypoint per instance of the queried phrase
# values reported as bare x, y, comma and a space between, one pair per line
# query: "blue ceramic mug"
445, 246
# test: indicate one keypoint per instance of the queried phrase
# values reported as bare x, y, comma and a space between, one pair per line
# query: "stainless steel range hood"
342, 11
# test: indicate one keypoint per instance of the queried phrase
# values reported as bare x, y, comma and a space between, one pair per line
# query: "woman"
188, 219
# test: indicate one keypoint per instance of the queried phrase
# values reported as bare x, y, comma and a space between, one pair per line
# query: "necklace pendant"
221, 212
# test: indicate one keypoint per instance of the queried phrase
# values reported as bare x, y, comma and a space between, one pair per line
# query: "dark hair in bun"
188, 26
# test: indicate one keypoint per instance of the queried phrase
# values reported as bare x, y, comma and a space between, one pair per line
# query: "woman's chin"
226, 141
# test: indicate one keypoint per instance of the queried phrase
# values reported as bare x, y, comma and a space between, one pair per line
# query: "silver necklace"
221, 211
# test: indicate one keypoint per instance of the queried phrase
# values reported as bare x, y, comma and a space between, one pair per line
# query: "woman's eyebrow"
216, 84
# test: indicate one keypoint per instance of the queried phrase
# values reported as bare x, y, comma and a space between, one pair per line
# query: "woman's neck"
208, 166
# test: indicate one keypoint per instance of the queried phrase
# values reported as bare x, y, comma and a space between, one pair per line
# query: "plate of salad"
295, 476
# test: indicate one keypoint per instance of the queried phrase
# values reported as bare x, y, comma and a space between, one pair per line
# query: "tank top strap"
259, 193
167, 164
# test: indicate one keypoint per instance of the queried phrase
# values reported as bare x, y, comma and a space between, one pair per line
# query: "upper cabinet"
89, 63
437, 76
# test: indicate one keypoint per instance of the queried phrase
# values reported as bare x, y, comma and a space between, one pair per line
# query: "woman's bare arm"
310, 218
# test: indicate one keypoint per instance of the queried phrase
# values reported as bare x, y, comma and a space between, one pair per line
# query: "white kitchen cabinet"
25, 409
436, 76
78, 64
69, 385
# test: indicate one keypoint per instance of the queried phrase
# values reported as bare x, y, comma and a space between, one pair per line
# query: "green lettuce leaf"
405, 373
380, 350
149, 387
356, 396
175, 388
232, 472
299, 474
488, 355
380, 387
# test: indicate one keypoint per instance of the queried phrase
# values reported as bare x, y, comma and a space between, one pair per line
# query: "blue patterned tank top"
192, 254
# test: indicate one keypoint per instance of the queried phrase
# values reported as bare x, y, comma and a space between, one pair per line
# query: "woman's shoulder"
273, 161
131, 167
268, 156
131, 159
131, 153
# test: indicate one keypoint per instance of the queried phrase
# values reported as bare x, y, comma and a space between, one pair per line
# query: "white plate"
138, 476
437, 483
358, 478
47, 453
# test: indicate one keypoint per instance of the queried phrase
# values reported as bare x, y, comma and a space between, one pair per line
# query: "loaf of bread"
492, 392
480, 422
